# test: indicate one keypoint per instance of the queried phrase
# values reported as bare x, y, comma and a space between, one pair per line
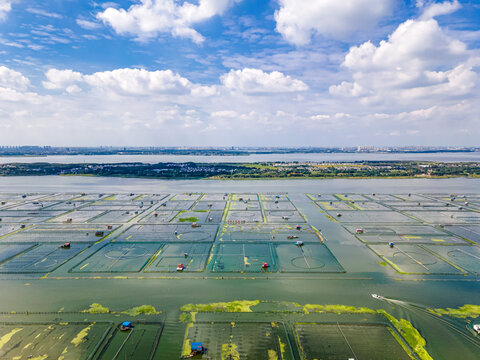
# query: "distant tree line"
367, 169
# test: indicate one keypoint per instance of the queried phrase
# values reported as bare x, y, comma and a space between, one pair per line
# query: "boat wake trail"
463, 331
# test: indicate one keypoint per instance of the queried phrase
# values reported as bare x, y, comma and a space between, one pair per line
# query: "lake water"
363, 277
322, 157
105, 184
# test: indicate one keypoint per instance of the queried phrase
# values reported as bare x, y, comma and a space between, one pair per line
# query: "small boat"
126, 325
196, 349
375, 296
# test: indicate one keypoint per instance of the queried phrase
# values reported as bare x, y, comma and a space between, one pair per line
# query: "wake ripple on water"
456, 325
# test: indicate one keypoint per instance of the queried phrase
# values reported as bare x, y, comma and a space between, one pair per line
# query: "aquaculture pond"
254, 269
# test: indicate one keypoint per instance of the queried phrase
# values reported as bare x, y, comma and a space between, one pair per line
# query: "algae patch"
143, 309
272, 355
187, 317
188, 219
410, 334
337, 309
96, 308
229, 352
6, 338
233, 306
282, 347
463, 312
81, 336
186, 350
64, 352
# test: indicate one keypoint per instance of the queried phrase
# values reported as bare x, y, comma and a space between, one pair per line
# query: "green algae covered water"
45, 307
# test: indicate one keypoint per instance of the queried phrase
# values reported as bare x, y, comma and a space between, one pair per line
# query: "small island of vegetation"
270, 170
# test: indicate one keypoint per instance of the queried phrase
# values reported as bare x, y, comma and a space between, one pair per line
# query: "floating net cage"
345, 341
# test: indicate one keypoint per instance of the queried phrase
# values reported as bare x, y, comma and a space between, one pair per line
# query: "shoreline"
473, 177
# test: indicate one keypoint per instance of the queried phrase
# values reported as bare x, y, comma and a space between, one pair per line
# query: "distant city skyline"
13, 150
221, 73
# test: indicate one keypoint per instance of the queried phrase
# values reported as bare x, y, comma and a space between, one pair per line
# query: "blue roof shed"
197, 346
127, 324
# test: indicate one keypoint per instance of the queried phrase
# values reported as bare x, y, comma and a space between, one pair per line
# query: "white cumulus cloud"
15, 88
128, 81
298, 20
138, 81
12, 79
148, 18
132, 81
418, 61
61, 79
414, 45
5, 7
256, 81
437, 9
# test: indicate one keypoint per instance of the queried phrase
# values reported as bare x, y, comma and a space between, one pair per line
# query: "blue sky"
239, 72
